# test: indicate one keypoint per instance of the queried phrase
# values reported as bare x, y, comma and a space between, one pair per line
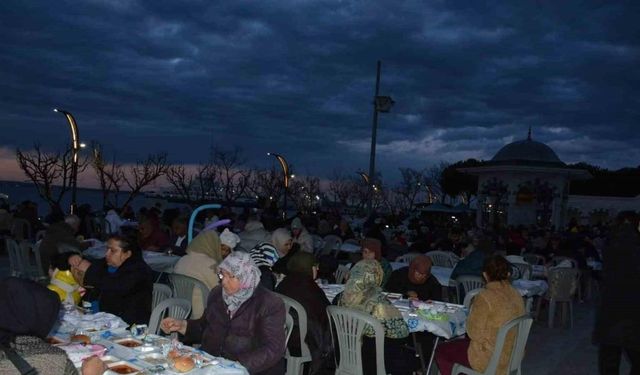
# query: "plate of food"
123, 367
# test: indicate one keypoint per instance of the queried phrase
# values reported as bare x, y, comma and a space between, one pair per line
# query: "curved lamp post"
75, 148
285, 170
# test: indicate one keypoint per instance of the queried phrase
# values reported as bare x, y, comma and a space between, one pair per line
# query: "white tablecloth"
442, 319
159, 262
349, 248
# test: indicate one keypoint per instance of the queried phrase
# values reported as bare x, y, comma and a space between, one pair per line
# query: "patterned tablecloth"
159, 262
442, 319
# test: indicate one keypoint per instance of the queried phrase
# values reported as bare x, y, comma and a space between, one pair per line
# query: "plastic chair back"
331, 242
185, 286
349, 327
341, 274
295, 364
441, 258
407, 258
523, 326
35, 270
40, 234
467, 283
563, 283
160, 293
533, 259
177, 308
557, 260
468, 298
20, 229
15, 258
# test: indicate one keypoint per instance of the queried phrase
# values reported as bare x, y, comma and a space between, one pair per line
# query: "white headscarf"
240, 265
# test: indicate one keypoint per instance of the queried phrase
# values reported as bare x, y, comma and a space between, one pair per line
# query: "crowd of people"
244, 258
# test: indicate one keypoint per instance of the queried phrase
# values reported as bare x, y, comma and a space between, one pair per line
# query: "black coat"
127, 292
618, 319
399, 283
255, 335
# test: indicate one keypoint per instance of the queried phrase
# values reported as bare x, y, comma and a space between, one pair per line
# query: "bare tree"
110, 176
191, 186
143, 174
342, 188
305, 193
266, 184
47, 170
408, 190
434, 180
228, 179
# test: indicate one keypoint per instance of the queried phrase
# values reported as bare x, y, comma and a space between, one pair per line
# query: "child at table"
63, 281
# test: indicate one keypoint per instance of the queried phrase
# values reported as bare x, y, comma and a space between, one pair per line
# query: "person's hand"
169, 325
412, 295
75, 260
93, 366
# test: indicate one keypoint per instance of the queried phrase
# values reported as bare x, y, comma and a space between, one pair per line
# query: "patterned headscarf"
362, 292
264, 255
207, 243
240, 265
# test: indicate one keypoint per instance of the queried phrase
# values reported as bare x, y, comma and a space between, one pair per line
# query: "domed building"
525, 183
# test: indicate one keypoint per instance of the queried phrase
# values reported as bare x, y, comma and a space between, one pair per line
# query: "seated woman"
228, 242
122, 281
201, 262
264, 256
362, 292
299, 284
372, 249
283, 243
150, 236
416, 281
28, 312
242, 321
497, 304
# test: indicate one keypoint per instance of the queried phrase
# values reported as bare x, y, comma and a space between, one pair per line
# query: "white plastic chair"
160, 293
523, 326
533, 259
441, 258
16, 258
407, 258
341, 274
521, 271
468, 298
563, 285
468, 283
20, 229
331, 243
295, 365
34, 271
183, 287
177, 308
349, 328
557, 260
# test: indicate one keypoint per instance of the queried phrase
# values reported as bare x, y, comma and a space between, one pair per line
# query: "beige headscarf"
207, 243
279, 237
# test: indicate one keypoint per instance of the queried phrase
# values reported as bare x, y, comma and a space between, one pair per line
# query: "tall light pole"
380, 104
75, 149
287, 176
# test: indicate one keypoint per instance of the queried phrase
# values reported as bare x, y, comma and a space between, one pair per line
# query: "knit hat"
296, 223
264, 255
229, 238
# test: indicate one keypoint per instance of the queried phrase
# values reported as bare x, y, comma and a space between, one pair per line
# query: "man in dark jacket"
618, 321
60, 238
472, 264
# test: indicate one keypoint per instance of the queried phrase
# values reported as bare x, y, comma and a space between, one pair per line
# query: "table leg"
418, 348
433, 354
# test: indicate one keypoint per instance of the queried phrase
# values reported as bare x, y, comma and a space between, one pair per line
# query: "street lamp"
285, 170
381, 104
75, 149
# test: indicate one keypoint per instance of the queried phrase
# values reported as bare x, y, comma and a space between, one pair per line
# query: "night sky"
298, 77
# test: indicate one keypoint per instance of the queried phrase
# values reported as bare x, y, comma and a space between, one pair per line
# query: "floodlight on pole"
75, 149
287, 177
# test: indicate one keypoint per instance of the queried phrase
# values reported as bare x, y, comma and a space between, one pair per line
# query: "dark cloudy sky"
297, 77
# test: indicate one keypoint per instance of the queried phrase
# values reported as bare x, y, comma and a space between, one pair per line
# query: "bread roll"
184, 364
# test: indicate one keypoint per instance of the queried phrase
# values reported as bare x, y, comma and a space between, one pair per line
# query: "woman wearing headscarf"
201, 262
415, 281
362, 292
28, 312
283, 242
300, 285
372, 250
242, 321
264, 256
228, 242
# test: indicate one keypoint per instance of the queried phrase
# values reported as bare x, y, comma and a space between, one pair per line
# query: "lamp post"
285, 170
75, 149
381, 104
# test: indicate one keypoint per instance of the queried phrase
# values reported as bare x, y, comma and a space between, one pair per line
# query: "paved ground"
550, 351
